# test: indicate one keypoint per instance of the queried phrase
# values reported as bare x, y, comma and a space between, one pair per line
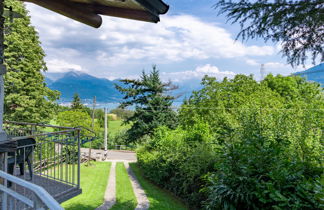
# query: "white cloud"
198, 73
56, 66
252, 62
276, 65
268, 65
174, 39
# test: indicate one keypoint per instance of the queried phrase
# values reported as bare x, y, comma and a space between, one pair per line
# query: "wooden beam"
133, 14
77, 12
126, 13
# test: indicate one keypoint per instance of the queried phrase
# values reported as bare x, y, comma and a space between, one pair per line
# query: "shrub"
244, 145
177, 161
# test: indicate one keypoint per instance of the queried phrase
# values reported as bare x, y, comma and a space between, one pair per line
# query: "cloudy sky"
189, 42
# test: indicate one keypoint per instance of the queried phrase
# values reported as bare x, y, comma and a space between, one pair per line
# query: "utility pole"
262, 72
106, 130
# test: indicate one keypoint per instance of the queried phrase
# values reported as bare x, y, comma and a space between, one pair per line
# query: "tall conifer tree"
76, 103
26, 96
152, 104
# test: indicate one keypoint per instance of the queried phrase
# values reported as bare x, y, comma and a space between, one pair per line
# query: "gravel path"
110, 155
110, 194
142, 201
114, 156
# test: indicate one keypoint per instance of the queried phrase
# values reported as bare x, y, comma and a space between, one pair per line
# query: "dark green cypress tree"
26, 96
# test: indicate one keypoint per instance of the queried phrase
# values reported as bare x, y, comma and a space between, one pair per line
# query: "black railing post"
79, 158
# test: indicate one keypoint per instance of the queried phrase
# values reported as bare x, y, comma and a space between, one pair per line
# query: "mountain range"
85, 85
88, 86
315, 74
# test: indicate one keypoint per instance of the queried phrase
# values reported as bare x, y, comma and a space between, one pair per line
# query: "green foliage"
26, 96
152, 105
99, 115
243, 145
76, 102
119, 138
256, 174
296, 24
178, 159
77, 119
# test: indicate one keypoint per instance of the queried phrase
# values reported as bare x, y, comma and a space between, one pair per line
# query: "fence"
52, 154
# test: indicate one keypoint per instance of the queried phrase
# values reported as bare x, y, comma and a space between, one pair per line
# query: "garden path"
126, 157
110, 194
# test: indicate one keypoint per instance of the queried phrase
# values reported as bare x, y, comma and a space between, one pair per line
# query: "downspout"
3, 135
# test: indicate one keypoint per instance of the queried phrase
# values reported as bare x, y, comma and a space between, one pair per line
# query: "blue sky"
189, 42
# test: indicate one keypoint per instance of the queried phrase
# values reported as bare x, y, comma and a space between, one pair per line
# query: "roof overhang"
89, 11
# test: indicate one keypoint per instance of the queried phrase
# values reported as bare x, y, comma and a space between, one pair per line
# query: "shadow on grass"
160, 199
124, 205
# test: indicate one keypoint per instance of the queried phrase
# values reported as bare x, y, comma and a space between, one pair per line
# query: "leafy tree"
26, 96
76, 118
243, 144
297, 24
76, 103
152, 104
100, 116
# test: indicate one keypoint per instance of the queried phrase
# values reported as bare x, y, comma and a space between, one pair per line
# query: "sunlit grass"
125, 196
116, 126
93, 183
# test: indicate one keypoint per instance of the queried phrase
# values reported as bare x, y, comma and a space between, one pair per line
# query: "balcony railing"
37, 198
47, 156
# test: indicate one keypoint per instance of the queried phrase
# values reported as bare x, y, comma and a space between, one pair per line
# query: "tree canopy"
152, 104
76, 102
297, 24
26, 96
243, 144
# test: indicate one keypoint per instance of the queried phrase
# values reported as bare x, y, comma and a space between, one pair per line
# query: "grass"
93, 183
116, 126
159, 198
125, 196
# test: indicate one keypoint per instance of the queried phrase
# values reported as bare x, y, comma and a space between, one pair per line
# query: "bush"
248, 177
177, 161
77, 118
120, 138
244, 145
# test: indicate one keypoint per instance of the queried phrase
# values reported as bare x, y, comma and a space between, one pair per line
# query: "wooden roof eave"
89, 13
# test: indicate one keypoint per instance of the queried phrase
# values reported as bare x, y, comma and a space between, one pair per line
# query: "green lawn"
159, 198
116, 126
93, 183
125, 196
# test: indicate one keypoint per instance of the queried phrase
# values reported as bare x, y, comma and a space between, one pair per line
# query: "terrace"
54, 155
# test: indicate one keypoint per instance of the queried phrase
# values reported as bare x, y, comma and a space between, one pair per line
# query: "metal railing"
38, 197
52, 154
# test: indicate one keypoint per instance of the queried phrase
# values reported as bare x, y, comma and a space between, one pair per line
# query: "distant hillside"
315, 74
86, 86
